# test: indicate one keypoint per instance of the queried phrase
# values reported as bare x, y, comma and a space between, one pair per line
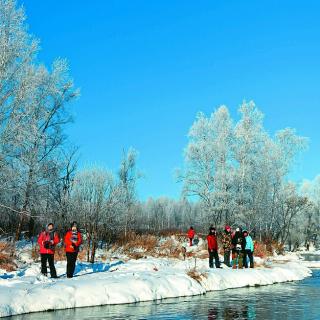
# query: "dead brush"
260, 250
82, 255
136, 255
190, 254
278, 247
196, 275
7, 257
59, 254
35, 254
146, 242
170, 249
203, 254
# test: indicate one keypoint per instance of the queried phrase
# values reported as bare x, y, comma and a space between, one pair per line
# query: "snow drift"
26, 291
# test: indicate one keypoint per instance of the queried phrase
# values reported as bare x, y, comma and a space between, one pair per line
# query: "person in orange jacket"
47, 241
72, 241
213, 248
191, 234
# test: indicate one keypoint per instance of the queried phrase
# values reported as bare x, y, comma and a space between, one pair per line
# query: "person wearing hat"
248, 250
227, 245
213, 248
238, 249
47, 241
72, 241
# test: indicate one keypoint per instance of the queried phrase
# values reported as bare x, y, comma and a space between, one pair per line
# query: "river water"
295, 300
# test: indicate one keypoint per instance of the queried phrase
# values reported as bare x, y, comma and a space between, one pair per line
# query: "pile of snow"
298, 257
118, 282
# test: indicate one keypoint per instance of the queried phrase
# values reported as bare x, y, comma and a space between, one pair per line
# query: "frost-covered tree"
128, 177
310, 220
208, 172
250, 141
33, 115
94, 196
239, 172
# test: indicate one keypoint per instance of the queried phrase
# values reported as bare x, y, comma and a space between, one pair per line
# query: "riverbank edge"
141, 286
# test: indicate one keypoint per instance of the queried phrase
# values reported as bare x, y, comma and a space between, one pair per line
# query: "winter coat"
249, 243
226, 241
212, 242
238, 242
191, 234
47, 242
69, 245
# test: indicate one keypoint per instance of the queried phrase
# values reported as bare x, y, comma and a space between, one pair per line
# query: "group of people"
49, 238
237, 247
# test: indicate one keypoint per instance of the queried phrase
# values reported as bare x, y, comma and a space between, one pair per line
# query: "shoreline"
135, 281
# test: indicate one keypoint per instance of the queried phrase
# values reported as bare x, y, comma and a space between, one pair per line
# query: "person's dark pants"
249, 254
226, 259
71, 263
213, 254
190, 239
50, 258
241, 259
235, 256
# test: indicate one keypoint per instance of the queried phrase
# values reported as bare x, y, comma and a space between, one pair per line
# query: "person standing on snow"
227, 245
238, 249
47, 241
72, 241
249, 248
191, 234
213, 248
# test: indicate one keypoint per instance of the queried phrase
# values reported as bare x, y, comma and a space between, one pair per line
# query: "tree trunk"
19, 227
25, 206
93, 250
89, 247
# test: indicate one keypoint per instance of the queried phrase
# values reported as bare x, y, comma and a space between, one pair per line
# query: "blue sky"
145, 68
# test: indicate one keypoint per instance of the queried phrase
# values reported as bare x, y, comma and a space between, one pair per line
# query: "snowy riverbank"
119, 282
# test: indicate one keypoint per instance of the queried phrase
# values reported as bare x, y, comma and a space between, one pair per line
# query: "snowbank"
117, 282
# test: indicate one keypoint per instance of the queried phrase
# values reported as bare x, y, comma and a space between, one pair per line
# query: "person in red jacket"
213, 248
72, 241
191, 234
47, 241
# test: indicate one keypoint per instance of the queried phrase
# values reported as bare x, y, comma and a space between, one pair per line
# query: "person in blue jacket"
248, 250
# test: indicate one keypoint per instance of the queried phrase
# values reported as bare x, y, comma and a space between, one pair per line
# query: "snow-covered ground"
117, 282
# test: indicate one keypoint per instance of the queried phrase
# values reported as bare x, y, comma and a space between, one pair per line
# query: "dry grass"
260, 250
267, 248
59, 254
136, 255
139, 246
7, 257
82, 255
196, 275
170, 232
203, 254
278, 248
145, 242
170, 249
35, 254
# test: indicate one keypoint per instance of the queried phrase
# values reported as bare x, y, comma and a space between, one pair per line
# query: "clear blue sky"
145, 68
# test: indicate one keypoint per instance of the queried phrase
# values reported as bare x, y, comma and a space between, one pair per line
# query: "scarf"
74, 236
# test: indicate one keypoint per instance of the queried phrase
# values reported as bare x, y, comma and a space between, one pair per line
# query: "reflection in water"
298, 300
